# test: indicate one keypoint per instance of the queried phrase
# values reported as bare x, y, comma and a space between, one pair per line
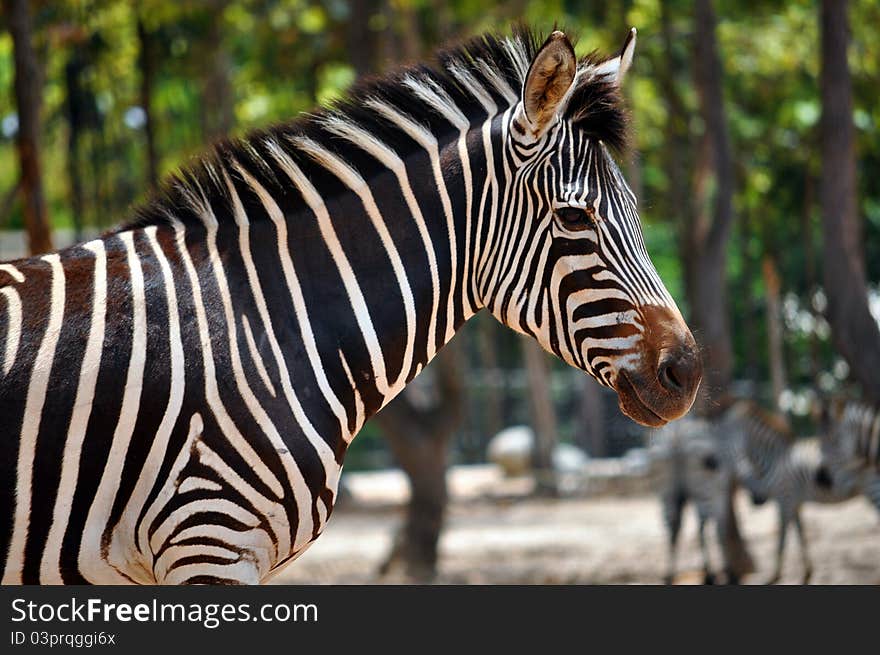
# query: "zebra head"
571, 269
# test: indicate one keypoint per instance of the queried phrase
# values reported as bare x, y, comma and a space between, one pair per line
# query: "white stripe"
255, 355
490, 186
437, 98
231, 479
13, 327
126, 529
498, 82
498, 214
518, 56
91, 563
275, 511
14, 272
322, 448
194, 483
360, 416
243, 571
79, 420
174, 553
169, 487
36, 397
464, 77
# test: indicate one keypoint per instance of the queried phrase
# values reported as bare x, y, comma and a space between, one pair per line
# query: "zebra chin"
651, 404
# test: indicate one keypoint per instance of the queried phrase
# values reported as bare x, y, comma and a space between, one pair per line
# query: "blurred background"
756, 160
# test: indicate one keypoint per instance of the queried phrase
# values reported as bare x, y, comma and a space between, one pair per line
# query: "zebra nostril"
669, 378
679, 371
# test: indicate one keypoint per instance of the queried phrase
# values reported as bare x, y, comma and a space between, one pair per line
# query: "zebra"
851, 447
691, 469
178, 395
771, 463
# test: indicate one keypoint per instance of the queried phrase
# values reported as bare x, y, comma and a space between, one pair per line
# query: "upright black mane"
595, 105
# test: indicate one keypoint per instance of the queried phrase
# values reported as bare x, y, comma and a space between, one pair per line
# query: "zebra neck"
416, 288
362, 286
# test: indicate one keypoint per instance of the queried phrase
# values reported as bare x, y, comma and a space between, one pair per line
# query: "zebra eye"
576, 219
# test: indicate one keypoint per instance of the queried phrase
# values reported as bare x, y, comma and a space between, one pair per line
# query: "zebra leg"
672, 507
780, 546
805, 555
708, 576
872, 490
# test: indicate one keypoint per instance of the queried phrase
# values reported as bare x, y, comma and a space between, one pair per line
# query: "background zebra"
691, 469
178, 395
851, 447
772, 464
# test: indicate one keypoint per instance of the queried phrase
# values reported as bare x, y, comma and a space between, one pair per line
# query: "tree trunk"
28, 98
707, 286
407, 30
811, 282
361, 40
492, 408
775, 345
709, 302
8, 202
218, 106
443, 19
737, 560
592, 437
147, 63
747, 322
677, 146
419, 439
389, 48
855, 332
543, 415
77, 113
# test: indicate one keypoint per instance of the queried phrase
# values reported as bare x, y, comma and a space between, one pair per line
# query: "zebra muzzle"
664, 387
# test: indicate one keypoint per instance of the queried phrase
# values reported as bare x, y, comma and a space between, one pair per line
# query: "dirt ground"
519, 539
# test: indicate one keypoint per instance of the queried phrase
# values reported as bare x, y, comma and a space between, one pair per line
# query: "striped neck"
346, 275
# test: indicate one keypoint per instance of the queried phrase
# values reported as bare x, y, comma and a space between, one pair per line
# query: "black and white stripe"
772, 464
691, 469
852, 448
177, 396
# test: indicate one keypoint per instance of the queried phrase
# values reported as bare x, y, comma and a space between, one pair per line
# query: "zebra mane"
481, 76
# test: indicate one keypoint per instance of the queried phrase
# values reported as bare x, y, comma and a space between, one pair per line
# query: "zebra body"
772, 464
178, 396
691, 470
851, 449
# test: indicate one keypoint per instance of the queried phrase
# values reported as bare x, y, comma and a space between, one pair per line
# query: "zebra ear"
616, 67
550, 76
